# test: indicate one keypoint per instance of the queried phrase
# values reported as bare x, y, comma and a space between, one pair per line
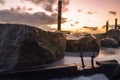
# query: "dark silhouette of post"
92, 60
59, 14
115, 23
107, 26
81, 55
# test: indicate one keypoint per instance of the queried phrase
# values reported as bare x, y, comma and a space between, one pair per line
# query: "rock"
72, 45
100, 36
109, 42
112, 34
89, 46
115, 34
23, 46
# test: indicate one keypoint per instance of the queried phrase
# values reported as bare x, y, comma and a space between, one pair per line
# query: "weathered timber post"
59, 14
81, 55
92, 60
116, 23
107, 26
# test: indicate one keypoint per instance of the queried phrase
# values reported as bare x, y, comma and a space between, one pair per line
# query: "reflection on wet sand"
105, 54
108, 51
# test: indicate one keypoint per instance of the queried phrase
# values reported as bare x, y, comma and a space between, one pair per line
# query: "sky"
75, 13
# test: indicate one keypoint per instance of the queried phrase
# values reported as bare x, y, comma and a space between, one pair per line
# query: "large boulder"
109, 42
23, 46
86, 44
115, 34
72, 45
100, 36
89, 46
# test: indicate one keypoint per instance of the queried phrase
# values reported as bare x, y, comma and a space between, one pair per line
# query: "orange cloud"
113, 12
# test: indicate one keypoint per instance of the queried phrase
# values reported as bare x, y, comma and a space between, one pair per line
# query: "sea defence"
23, 47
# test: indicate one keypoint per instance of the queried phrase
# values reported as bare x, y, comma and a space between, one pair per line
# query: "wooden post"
83, 65
92, 60
107, 26
59, 14
115, 23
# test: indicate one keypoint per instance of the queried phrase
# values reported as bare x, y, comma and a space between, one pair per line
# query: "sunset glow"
91, 13
79, 13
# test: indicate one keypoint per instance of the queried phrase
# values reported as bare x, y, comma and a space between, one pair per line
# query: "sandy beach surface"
104, 54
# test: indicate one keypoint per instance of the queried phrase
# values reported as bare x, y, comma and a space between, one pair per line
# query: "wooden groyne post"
107, 26
59, 14
116, 23
81, 55
92, 60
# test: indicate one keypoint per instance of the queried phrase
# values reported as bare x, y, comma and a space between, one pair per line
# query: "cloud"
35, 1
65, 4
76, 22
2, 1
91, 12
45, 4
49, 8
48, 4
90, 28
17, 9
30, 9
63, 20
38, 18
79, 10
20, 9
72, 24
113, 12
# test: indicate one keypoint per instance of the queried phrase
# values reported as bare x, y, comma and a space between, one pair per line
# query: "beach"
104, 54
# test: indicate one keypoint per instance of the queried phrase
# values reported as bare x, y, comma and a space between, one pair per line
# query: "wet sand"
105, 54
